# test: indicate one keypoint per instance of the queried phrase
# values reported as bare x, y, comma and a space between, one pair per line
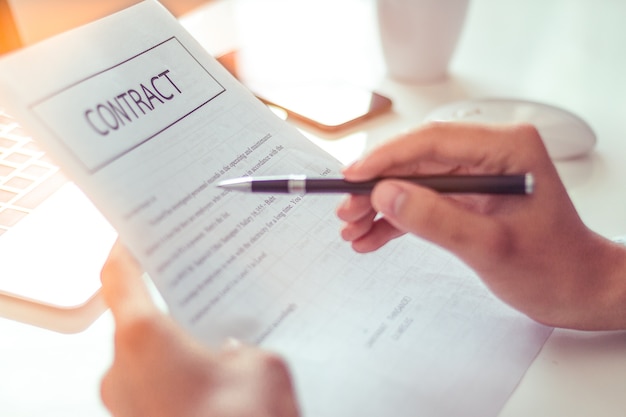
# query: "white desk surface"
562, 52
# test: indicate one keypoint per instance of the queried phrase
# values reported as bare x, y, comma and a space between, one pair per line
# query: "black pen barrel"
270, 186
476, 184
336, 185
479, 184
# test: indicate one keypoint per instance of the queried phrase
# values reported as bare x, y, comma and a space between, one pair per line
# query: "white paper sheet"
147, 122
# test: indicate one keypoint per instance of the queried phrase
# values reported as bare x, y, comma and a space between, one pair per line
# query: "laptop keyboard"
27, 176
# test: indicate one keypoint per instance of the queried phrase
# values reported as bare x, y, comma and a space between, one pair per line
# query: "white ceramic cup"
418, 37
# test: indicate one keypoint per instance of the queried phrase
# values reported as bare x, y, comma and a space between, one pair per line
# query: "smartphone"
327, 106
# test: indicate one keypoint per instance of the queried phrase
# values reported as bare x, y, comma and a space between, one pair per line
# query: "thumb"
436, 218
123, 287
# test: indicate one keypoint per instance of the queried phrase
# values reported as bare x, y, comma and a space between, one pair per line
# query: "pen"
300, 184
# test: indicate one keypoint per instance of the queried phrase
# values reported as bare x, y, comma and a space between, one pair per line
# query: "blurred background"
34, 16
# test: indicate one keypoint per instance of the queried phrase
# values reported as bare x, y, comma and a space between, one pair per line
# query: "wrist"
602, 299
615, 288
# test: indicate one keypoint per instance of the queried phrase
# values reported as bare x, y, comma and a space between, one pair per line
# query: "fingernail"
350, 167
231, 344
390, 199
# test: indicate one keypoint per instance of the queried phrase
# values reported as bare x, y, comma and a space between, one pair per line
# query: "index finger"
481, 148
123, 287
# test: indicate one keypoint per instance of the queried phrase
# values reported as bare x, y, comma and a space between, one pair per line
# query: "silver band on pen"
296, 184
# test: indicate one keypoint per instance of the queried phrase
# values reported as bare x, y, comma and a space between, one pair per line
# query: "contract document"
146, 123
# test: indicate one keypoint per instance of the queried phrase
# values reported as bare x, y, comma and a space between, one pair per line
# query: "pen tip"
239, 184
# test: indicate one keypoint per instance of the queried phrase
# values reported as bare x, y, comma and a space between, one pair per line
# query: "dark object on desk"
327, 106
300, 184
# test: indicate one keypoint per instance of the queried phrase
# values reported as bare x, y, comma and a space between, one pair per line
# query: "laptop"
53, 241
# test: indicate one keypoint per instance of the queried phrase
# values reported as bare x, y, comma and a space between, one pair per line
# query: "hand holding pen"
532, 251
